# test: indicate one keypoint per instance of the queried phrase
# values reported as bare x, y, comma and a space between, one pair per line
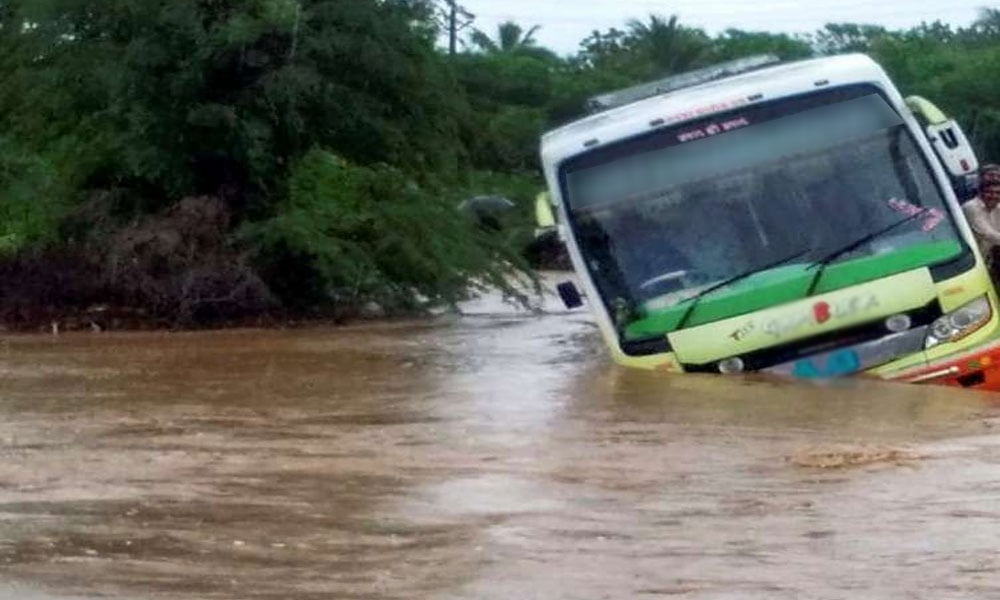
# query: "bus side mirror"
953, 148
966, 188
544, 217
569, 295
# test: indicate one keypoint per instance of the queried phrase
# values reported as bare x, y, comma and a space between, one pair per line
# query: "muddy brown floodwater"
492, 455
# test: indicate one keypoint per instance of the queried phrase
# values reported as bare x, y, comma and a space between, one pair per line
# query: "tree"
511, 39
735, 43
134, 106
666, 45
607, 50
839, 38
988, 24
195, 97
949, 69
936, 31
451, 18
336, 135
509, 81
645, 49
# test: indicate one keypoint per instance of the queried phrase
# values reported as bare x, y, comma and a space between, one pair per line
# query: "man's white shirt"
985, 223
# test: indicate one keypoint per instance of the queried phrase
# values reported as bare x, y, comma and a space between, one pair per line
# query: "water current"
497, 454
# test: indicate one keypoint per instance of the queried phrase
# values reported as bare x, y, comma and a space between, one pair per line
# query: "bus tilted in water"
798, 219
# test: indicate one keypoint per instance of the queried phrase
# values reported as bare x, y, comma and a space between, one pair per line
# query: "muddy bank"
105, 318
186, 267
102, 317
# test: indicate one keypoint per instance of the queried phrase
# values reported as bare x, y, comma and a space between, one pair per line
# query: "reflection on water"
492, 455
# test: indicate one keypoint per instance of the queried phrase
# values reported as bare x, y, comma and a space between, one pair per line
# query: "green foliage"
950, 67
145, 103
493, 81
508, 93
649, 48
838, 38
511, 39
32, 199
666, 47
371, 233
220, 97
735, 43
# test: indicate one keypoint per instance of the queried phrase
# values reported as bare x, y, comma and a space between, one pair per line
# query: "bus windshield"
661, 217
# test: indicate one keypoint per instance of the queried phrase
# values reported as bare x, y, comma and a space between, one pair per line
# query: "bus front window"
657, 219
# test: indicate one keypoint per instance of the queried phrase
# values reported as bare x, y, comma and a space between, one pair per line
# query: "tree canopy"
338, 136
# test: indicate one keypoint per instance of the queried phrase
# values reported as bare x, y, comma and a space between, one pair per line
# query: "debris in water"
842, 457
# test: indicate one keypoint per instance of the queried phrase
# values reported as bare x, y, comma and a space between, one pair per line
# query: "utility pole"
454, 19
452, 27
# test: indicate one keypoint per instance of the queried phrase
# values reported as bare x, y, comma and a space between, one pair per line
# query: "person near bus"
983, 213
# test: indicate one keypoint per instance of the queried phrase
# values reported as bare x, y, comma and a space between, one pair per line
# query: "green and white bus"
797, 219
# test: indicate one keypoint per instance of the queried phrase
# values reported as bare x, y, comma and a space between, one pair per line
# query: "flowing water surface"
491, 455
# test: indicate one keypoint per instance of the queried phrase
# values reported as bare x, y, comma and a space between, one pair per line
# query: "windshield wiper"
697, 298
821, 264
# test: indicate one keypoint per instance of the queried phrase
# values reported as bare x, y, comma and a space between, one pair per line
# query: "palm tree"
511, 39
988, 23
666, 45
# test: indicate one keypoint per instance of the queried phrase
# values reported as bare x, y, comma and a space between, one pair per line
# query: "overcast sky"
566, 22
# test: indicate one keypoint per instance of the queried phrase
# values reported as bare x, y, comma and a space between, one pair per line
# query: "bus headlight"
732, 366
959, 323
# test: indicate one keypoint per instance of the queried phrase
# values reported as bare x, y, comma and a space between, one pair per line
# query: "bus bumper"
978, 368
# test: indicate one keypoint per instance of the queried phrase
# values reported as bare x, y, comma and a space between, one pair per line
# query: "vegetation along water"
192, 163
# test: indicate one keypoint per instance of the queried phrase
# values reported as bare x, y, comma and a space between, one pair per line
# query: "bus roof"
705, 99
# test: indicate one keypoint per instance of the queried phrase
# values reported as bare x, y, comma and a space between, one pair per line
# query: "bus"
796, 219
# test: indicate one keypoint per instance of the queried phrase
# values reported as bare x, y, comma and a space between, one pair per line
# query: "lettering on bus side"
701, 111
821, 313
740, 334
712, 129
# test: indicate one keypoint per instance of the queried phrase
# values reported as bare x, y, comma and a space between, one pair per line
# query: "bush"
32, 199
175, 268
179, 266
351, 235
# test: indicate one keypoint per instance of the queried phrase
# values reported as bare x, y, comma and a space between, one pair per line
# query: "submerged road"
494, 455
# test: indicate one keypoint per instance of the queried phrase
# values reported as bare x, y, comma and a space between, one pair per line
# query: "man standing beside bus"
984, 217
